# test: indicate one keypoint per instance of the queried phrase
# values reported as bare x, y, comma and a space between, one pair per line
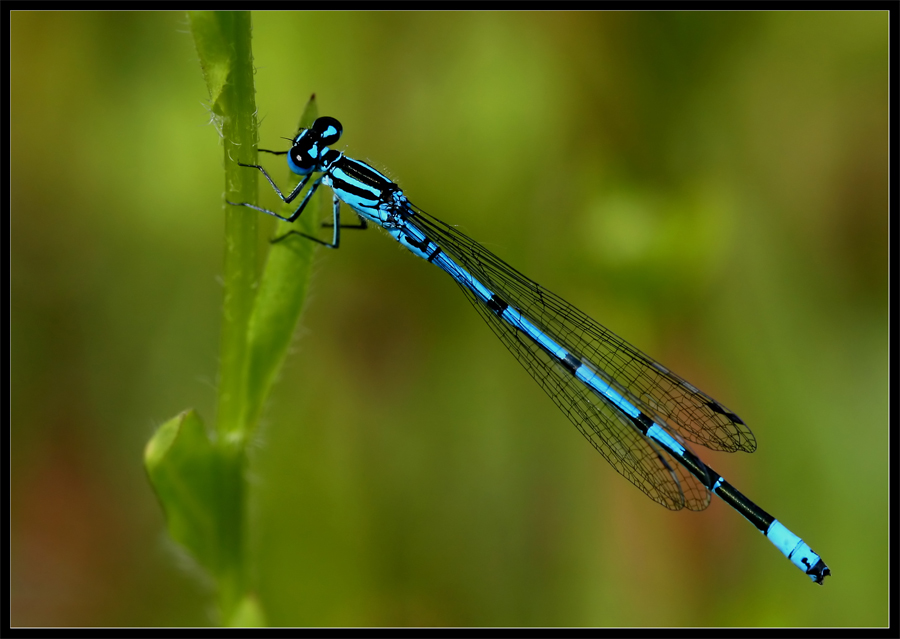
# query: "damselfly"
634, 411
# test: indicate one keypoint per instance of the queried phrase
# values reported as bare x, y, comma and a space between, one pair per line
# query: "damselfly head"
310, 145
329, 130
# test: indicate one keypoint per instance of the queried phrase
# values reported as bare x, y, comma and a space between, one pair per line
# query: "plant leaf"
282, 291
186, 471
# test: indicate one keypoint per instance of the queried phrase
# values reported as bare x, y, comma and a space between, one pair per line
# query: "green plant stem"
199, 477
240, 133
224, 45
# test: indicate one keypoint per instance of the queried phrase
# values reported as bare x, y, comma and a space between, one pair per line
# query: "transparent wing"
652, 387
633, 455
669, 400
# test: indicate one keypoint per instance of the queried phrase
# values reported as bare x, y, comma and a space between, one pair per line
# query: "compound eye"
301, 160
328, 129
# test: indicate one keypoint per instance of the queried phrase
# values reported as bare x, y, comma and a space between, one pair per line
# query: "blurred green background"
710, 186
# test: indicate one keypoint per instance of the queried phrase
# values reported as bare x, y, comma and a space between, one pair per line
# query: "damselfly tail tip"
818, 572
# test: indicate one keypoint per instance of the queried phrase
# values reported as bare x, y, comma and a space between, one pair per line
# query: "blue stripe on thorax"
358, 185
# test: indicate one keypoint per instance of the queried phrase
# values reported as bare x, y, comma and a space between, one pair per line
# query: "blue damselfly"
638, 414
